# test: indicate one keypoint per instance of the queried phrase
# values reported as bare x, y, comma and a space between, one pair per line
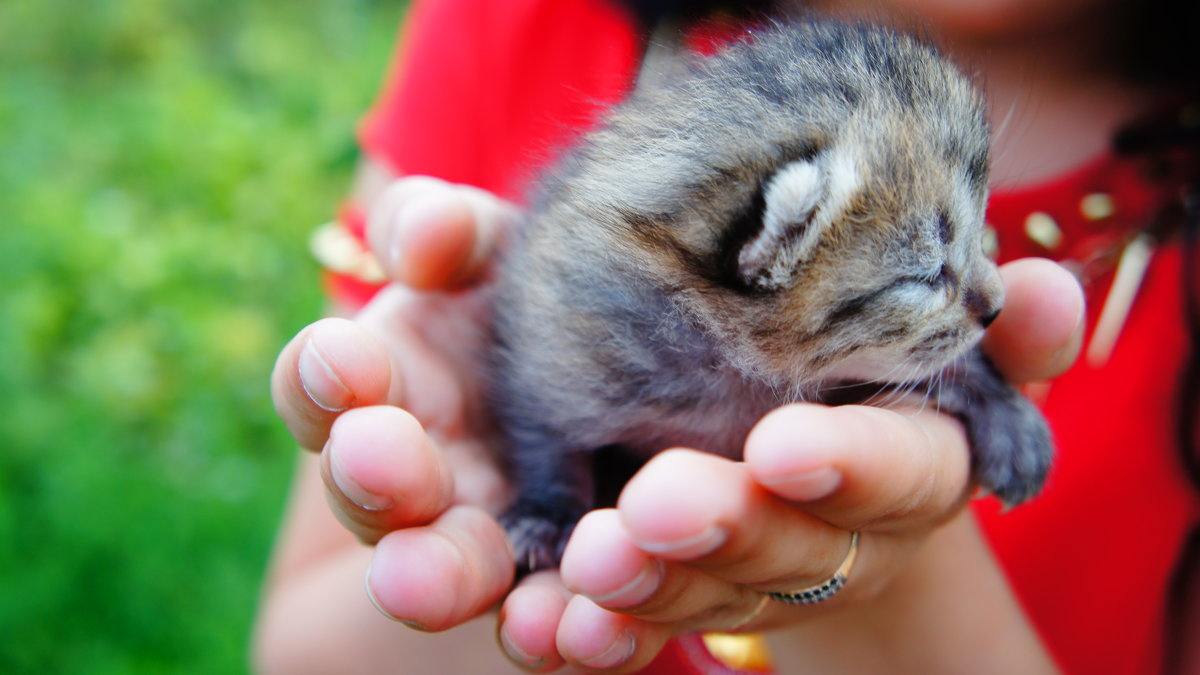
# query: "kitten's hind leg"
553, 491
1011, 445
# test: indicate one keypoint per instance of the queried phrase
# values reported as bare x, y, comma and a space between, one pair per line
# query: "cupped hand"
695, 539
391, 400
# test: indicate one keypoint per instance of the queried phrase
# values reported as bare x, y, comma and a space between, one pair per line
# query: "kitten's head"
816, 200
868, 262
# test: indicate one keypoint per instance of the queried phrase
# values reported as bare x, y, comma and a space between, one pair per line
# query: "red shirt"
484, 92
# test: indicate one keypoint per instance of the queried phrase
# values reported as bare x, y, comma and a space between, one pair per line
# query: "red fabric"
1090, 558
483, 92
486, 91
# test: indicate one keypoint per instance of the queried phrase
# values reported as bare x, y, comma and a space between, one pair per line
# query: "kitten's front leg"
554, 489
1011, 445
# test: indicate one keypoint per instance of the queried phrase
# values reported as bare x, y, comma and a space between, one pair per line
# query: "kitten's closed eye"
941, 278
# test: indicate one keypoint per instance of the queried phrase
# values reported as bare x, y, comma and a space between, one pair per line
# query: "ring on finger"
825, 590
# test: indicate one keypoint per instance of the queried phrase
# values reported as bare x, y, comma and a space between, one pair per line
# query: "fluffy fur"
799, 218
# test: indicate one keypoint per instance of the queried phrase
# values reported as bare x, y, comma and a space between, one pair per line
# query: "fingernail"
638, 590
422, 207
356, 493
516, 654
397, 235
320, 382
375, 603
688, 547
617, 653
807, 485
1071, 348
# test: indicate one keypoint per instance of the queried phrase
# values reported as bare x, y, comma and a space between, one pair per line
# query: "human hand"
696, 538
423, 493
391, 401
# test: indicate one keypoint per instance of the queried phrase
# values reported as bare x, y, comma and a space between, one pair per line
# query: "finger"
430, 234
669, 511
596, 639
529, 621
382, 472
433, 340
1040, 330
331, 366
436, 577
693, 507
603, 563
859, 466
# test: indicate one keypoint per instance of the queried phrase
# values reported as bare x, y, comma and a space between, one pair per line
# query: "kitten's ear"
768, 259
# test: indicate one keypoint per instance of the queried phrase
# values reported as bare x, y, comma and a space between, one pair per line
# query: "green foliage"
161, 165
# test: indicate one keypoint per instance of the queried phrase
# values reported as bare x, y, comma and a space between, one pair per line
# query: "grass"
161, 165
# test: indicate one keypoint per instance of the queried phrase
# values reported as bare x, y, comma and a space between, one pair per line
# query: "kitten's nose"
985, 295
983, 308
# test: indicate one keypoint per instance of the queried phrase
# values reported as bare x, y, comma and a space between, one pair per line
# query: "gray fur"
667, 292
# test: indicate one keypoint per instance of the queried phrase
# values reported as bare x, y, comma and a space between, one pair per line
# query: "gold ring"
824, 591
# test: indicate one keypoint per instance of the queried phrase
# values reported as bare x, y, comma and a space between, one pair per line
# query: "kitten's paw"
538, 534
1011, 446
1012, 452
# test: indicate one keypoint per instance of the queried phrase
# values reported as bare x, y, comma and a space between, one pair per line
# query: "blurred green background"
162, 163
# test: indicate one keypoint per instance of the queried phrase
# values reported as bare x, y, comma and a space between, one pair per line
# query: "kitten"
799, 217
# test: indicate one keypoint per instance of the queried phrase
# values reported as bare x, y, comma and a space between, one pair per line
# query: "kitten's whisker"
905, 385
913, 383
941, 378
933, 389
885, 378
937, 392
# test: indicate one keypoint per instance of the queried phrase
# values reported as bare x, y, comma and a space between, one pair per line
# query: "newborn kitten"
797, 218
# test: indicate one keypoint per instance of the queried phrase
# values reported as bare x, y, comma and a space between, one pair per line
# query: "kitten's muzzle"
989, 318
